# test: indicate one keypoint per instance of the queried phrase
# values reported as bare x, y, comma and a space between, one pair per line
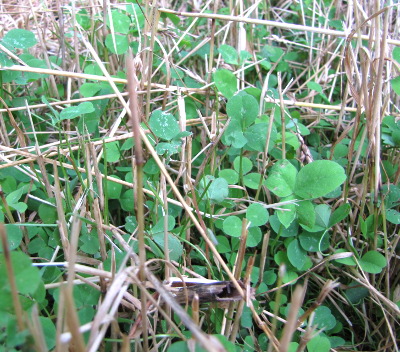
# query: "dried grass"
367, 77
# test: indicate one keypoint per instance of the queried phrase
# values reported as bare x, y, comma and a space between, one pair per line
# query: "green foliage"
112, 151
83, 18
14, 196
324, 319
75, 111
339, 214
254, 237
127, 201
238, 172
396, 54
395, 83
229, 54
163, 125
319, 344
242, 165
242, 108
272, 53
296, 254
246, 320
252, 180
187, 346
89, 89
174, 245
314, 241
19, 38
282, 178
288, 212
318, 179
391, 131
114, 189
257, 214
116, 43
118, 22
49, 332
306, 214
27, 279
14, 237
232, 226
48, 212
218, 190
231, 176
226, 82
372, 262
393, 216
